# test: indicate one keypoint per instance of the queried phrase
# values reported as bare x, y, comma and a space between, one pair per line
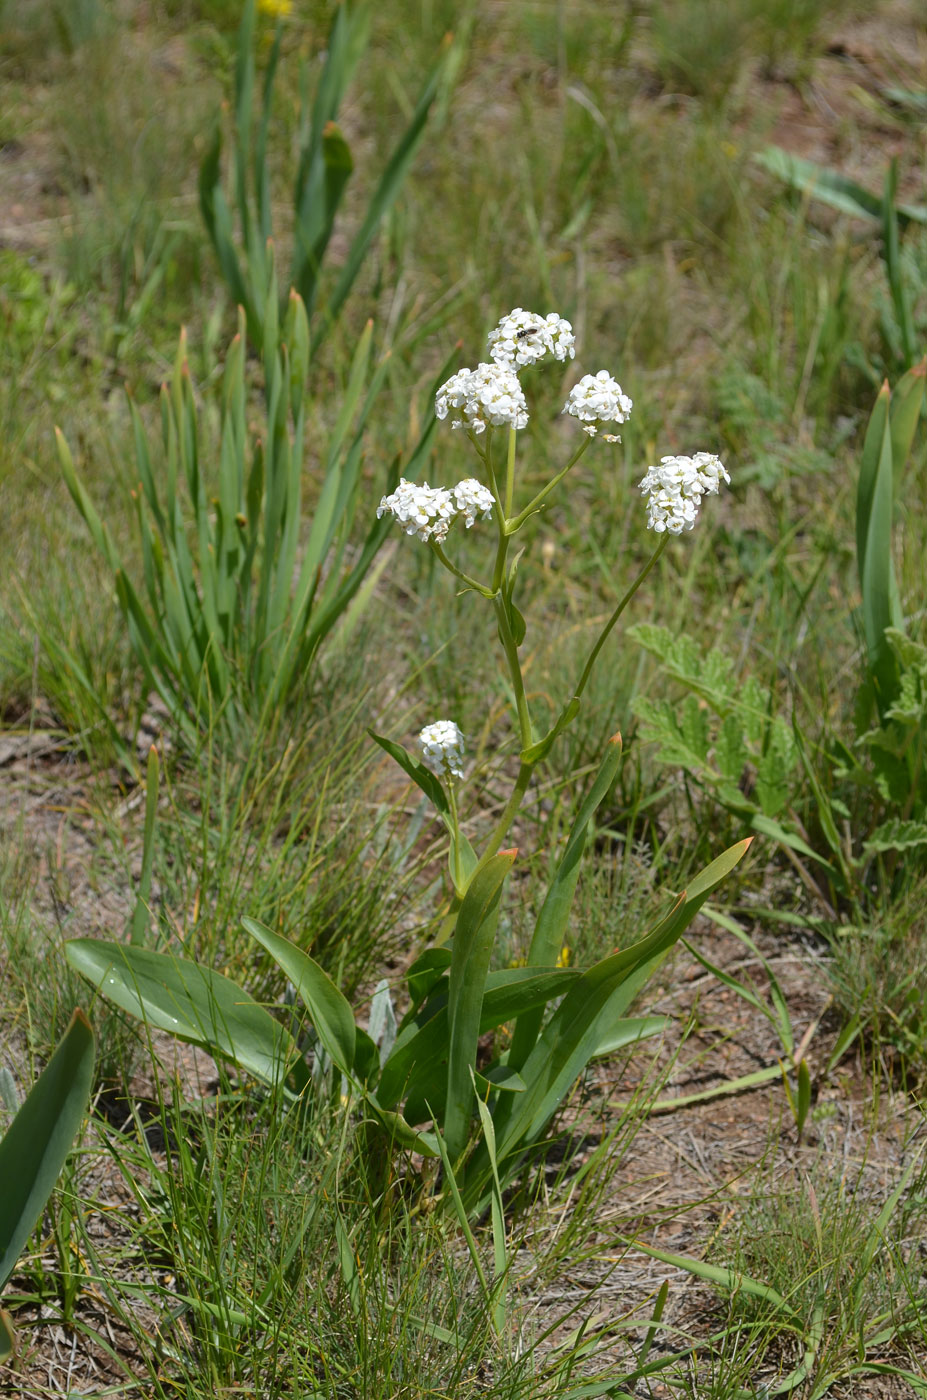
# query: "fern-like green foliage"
896, 751
724, 732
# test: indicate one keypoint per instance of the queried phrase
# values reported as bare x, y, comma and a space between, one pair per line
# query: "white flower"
710, 472
442, 748
473, 499
675, 489
598, 399
426, 511
524, 337
489, 395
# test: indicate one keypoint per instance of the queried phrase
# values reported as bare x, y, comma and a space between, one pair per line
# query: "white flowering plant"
423, 1083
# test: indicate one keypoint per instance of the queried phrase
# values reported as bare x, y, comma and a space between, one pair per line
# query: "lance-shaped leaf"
36, 1145
553, 920
420, 775
329, 1011
386, 192
191, 1002
830, 187
907, 402
874, 502
422, 1043
474, 933
581, 1023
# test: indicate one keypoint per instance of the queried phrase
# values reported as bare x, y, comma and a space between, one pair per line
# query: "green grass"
210, 1241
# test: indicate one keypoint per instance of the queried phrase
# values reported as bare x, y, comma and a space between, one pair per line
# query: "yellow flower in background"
564, 958
275, 9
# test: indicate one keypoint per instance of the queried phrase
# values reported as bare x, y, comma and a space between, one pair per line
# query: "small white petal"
488, 396
442, 748
675, 488
524, 337
598, 399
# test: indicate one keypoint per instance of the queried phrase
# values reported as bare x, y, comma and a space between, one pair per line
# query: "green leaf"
897, 835
830, 187
191, 1002
420, 775
535, 752
397, 1130
329, 1011
426, 971
803, 1105
423, 1037
776, 767
599, 997
518, 625
768, 826
501, 1077
386, 192
660, 725
728, 1279
730, 751
693, 726
617, 1033
905, 411
36, 1145
911, 654
874, 504
474, 933
498, 1212
462, 853
417, 1063
553, 920
891, 255
142, 912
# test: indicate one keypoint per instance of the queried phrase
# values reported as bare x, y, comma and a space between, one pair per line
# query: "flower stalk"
491, 397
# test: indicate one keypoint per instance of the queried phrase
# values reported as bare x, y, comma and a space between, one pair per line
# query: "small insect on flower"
524, 337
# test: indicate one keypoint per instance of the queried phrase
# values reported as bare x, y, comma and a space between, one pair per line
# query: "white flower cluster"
443, 748
426, 511
430, 511
675, 489
472, 500
524, 337
598, 399
488, 396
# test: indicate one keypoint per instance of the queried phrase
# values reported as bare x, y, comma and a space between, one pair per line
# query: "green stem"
510, 474
455, 825
458, 573
606, 630
512, 525
501, 512
511, 656
509, 813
